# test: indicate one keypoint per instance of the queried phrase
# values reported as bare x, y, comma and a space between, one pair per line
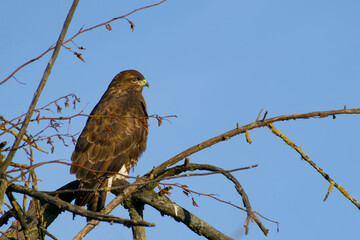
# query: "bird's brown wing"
115, 135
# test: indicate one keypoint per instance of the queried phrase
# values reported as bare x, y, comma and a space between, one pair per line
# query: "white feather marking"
123, 171
175, 207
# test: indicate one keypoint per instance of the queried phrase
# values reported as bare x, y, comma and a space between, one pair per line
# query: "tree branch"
222, 137
38, 92
193, 167
74, 209
127, 191
238, 130
18, 214
318, 169
136, 213
180, 214
77, 34
135, 209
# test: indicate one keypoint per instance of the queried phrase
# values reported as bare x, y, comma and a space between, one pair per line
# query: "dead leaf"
132, 25
194, 203
159, 121
79, 56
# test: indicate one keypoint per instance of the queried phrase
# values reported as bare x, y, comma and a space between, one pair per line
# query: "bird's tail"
94, 199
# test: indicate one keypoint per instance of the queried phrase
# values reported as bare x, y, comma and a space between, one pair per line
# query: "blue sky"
213, 64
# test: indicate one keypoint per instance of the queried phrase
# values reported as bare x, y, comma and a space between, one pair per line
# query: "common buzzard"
114, 137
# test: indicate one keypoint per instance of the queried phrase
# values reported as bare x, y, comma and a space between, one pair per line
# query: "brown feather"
114, 136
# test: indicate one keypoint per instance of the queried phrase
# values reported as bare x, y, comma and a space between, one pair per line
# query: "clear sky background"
213, 64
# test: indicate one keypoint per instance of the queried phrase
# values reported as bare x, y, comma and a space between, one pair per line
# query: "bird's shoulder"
120, 103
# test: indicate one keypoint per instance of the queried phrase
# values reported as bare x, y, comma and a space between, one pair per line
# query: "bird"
112, 140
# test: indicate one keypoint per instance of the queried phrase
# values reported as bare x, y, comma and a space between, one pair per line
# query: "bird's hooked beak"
144, 83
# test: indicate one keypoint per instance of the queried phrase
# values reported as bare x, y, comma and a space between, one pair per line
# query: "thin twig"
210, 173
26, 138
43, 107
257, 119
265, 114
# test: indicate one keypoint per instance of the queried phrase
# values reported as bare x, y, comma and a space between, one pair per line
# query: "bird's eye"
135, 80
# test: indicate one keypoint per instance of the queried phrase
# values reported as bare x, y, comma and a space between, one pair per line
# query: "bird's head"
129, 80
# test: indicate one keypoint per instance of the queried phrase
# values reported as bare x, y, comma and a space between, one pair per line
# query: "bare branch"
208, 173
318, 169
243, 129
136, 213
18, 214
6, 216
38, 92
180, 214
75, 209
257, 119
222, 137
26, 138
114, 203
74, 36
238, 187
